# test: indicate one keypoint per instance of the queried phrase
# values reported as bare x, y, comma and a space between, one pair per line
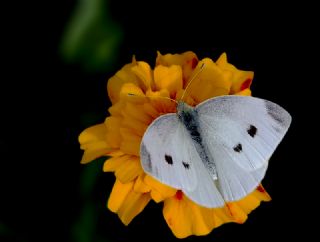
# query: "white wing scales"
240, 134
163, 151
167, 136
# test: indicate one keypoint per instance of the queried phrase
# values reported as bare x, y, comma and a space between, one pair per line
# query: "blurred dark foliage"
58, 57
91, 37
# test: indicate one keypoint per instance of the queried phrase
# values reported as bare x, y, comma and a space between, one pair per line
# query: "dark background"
46, 195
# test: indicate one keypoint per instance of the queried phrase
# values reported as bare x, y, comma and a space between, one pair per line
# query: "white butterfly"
215, 152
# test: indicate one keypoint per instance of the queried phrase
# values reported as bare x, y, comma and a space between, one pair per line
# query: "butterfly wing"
240, 134
168, 154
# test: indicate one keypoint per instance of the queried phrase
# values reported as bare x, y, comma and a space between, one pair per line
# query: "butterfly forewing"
240, 134
166, 153
169, 154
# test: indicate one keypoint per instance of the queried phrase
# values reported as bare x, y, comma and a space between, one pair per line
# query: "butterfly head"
185, 112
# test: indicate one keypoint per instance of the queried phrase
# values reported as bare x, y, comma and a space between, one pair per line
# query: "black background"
43, 102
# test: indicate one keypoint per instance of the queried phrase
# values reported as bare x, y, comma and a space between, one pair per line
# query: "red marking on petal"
179, 195
184, 81
194, 63
246, 84
229, 208
260, 189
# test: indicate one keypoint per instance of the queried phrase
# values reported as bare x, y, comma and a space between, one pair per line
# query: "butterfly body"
215, 152
189, 118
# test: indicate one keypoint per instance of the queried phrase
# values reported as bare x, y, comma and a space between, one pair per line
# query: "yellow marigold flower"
119, 137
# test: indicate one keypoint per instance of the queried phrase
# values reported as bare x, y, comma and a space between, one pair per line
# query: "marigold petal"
248, 203
245, 92
169, 78
221, 216
186, 218
202, 219
197, 220
210, 82
261, 194
113, 163
178, 216
150, 110
133, 127
159, 191
93, 142
133, 205
186, 98
131, 147
187, 60
126, 167
144, 72
222, 62
240, 79
162, 105
137, 112
129, 170
140, 185
116, 109
115, 83
240, 209
135, 119
113, 137
125, 202
118, 194
95, 151
236, 212
115, 153
93, 134
132, 93
130, 143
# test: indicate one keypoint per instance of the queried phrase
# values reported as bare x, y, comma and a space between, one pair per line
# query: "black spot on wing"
252, 130
186, 165
168, 159
238, 148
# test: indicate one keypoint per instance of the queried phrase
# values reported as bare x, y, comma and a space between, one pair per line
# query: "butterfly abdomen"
190, 122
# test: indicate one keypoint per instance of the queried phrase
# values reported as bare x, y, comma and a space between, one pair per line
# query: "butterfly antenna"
191, 80
168, 98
